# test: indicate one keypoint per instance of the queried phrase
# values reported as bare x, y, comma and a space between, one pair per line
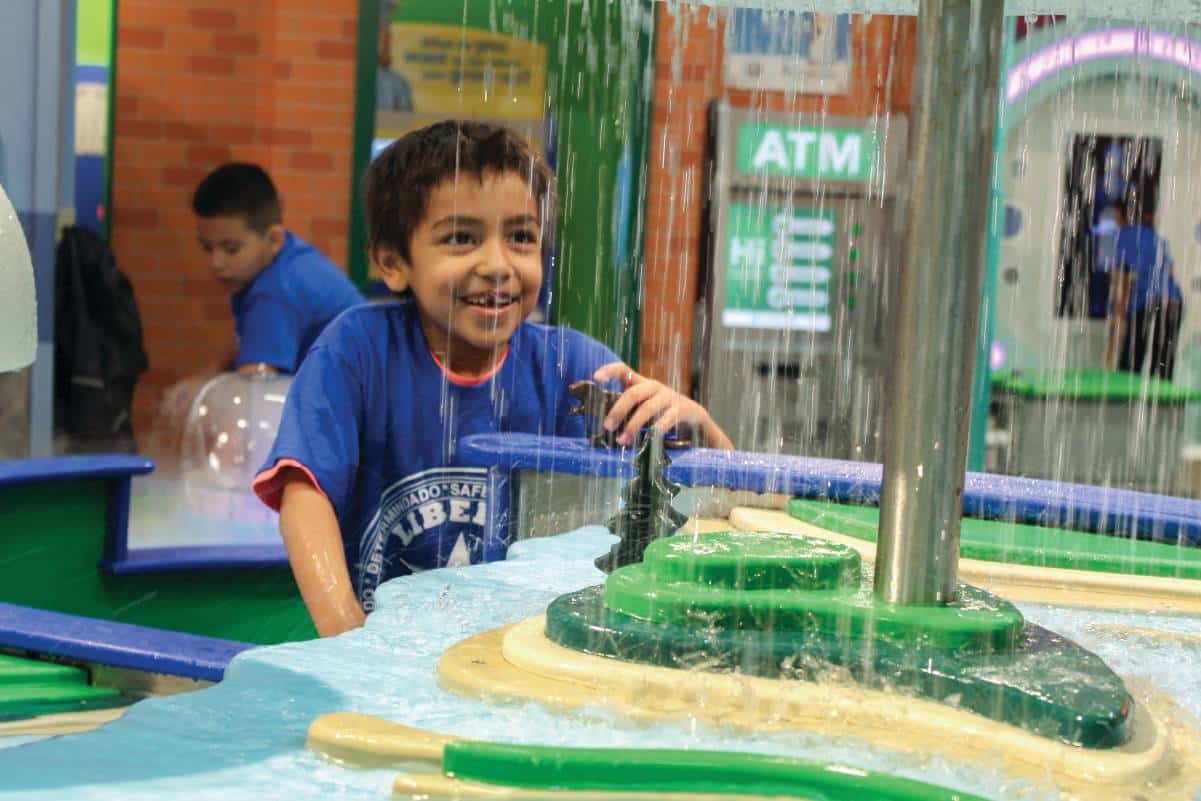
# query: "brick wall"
687, 77
200, 82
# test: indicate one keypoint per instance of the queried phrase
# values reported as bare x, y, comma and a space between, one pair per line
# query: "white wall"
1037, 154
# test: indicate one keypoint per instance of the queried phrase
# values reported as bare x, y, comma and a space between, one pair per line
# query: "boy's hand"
645, 401
177, 399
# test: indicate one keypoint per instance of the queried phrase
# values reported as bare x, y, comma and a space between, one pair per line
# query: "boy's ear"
392, 268
275, 236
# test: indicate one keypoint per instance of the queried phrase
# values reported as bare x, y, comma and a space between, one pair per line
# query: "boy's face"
475, 264
236, 252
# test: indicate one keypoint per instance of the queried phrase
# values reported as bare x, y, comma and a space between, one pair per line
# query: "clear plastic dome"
230, 429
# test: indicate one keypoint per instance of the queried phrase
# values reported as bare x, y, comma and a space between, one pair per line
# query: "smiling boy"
362, 469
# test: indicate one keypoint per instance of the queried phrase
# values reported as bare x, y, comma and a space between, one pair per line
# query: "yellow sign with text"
428, 73
467, 72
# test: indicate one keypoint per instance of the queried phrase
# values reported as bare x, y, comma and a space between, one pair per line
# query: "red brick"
232, 134
208, 154
323, 72
155, 286
327, 227
281, 70
182, 176
212, 65
236, 43
293, 137
183, 130
153, 13
140, 37
127, 106
216, 19
151, 153
311, 160
146, 129
135, 217
337, 50
216, 310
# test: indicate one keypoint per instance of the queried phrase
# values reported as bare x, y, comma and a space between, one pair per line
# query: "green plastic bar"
1099, 385
1020, 544
678, 771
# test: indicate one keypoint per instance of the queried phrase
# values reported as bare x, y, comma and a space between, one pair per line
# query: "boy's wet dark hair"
400, 180
241, 190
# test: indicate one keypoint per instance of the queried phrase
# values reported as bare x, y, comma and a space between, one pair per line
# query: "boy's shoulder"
367, 325
561, 340
376, 316
307, 260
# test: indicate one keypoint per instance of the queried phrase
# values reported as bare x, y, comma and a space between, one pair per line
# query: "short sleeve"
319, 430
584, 356
269, 331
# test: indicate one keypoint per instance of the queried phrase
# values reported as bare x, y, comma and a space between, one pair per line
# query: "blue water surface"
244, 738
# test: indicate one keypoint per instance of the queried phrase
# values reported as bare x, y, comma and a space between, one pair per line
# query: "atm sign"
842, 154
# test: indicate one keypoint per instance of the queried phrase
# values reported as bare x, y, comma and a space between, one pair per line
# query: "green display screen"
779, 267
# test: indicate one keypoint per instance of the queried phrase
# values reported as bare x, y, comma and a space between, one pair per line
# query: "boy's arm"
178, 397
644, 401
314, 541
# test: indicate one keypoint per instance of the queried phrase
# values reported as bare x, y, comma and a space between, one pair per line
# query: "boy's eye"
231, 249
524, 236
458, 238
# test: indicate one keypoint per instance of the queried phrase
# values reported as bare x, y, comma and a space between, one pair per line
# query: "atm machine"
802, 242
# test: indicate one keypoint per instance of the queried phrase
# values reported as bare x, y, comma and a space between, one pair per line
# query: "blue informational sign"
799, 51
789, 33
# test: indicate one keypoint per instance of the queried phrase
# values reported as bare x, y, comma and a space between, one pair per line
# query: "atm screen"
780, 264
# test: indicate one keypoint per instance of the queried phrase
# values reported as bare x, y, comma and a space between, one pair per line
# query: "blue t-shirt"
284, 309
1141, 251
374, 419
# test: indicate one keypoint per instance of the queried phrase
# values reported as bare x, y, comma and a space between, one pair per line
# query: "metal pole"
937, 308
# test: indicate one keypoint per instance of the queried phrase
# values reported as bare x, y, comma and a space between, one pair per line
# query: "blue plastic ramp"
1026, 500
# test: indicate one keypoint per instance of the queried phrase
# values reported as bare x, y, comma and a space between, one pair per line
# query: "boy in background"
282, 290
362, 470
1149, 300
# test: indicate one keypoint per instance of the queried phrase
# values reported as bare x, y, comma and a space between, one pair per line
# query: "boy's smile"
474, 268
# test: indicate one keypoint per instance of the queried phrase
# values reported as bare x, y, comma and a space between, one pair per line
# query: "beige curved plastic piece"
703, 525
1147, 634
423, 786
519, 663
1023, 583
367, 741
61, 723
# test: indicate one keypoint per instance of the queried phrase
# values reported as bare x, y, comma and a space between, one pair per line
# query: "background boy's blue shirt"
372, 417
1143, 252
286, 307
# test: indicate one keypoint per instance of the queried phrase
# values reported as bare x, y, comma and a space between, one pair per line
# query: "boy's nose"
494, 260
